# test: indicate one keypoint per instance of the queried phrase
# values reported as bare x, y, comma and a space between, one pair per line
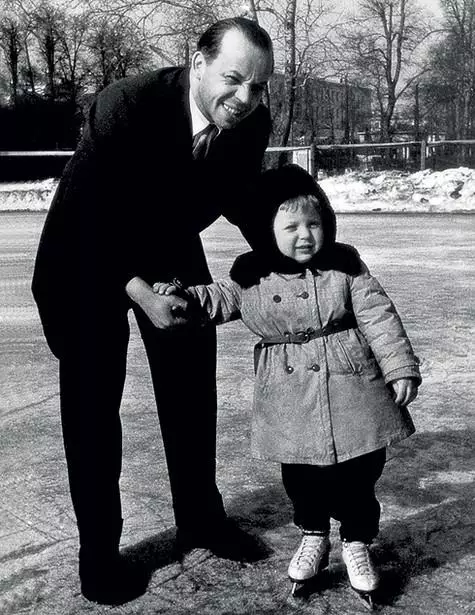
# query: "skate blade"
314, 585
366, 599
301, 589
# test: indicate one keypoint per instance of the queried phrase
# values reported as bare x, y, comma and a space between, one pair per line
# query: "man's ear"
198, 64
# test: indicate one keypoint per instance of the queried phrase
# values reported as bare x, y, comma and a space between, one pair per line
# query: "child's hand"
166, 288
405, 391
192, 312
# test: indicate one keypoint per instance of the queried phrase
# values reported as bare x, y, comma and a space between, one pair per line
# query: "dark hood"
274, 187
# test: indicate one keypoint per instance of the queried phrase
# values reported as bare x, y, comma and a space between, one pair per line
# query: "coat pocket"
346, 356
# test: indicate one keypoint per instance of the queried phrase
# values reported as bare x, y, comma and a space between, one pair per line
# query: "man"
127, 212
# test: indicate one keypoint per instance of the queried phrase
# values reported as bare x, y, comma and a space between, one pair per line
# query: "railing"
409, 155
34, 153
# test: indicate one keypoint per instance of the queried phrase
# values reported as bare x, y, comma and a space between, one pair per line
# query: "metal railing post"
423, 154
313, 160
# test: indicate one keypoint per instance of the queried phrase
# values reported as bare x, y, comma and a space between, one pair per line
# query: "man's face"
230, 87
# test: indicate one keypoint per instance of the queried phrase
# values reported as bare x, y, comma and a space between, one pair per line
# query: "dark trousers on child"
343, 491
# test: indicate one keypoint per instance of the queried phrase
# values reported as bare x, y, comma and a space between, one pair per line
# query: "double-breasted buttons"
303, 295
315, 367
276, 298
289, 369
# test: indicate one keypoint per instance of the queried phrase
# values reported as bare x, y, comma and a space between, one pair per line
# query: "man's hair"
210, 41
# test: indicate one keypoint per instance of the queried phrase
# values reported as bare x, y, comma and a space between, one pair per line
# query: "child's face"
298, 234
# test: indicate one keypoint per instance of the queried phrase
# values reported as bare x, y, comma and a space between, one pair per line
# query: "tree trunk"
290, 70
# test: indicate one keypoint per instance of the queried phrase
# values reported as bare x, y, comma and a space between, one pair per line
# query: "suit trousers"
343, 491
92, 377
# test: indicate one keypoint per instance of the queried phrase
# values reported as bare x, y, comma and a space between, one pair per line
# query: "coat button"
277, 298
315, 367
304, 295
289, 369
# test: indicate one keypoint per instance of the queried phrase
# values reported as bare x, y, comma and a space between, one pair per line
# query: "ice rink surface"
425, 548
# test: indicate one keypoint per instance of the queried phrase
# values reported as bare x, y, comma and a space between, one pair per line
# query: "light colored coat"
327, 400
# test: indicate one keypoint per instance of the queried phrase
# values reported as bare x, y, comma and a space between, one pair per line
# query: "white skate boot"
310, 558
361, 572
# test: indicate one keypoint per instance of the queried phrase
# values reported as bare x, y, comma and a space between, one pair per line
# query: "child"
334, 369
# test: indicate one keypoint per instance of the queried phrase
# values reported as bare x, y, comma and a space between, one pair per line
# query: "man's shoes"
112, 580
225, 540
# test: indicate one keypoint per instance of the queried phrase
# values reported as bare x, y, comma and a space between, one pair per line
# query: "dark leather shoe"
112, 580
225, 540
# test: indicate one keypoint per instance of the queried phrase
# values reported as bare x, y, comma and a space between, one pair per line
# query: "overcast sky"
432, 5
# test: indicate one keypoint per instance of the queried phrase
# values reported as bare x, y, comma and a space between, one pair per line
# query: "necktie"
202, 141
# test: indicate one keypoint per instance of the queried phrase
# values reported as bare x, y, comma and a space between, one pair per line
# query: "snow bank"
449, 191
27, 196
452, 190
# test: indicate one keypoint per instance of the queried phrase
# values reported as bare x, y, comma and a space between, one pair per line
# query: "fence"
28, 165
407, 155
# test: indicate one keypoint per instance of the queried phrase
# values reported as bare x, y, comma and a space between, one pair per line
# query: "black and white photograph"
236, 307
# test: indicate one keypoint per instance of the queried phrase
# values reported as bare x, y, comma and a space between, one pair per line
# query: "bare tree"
301, 31
453, 68
170, 27
380, 48
46, 24
71, 52
10, 44
116, 50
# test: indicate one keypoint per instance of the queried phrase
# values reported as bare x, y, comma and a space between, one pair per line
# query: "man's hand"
405, 391
165, 312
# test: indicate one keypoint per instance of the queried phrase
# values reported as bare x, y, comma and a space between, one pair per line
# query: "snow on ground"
452, 190
28, 196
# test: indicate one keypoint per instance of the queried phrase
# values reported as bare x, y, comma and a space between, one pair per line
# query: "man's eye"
315, 225
231, 79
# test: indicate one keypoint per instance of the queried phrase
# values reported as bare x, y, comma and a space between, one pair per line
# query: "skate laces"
311, 549
359, 558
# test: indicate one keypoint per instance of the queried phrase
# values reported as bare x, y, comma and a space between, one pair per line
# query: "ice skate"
310, 558
361, 572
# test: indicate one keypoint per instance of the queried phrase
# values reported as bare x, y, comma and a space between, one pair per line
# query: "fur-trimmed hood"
274, 187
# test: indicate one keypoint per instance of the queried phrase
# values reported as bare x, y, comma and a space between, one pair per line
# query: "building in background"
325, 111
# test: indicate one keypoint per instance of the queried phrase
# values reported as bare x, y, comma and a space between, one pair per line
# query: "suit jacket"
131, 201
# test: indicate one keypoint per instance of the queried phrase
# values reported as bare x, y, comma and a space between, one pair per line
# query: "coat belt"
302, 337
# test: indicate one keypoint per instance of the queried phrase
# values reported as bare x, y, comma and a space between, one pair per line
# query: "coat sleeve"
94, 185
86, 227
81, 240
220, 301
382, 327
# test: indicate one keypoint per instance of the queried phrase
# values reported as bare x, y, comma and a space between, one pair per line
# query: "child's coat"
324, 401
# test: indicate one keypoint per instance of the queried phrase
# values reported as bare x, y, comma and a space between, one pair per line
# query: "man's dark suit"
131, 203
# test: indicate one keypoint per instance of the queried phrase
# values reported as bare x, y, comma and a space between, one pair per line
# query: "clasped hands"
165, 310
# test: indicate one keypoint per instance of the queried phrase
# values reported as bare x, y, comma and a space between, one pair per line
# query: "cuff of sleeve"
408, 371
